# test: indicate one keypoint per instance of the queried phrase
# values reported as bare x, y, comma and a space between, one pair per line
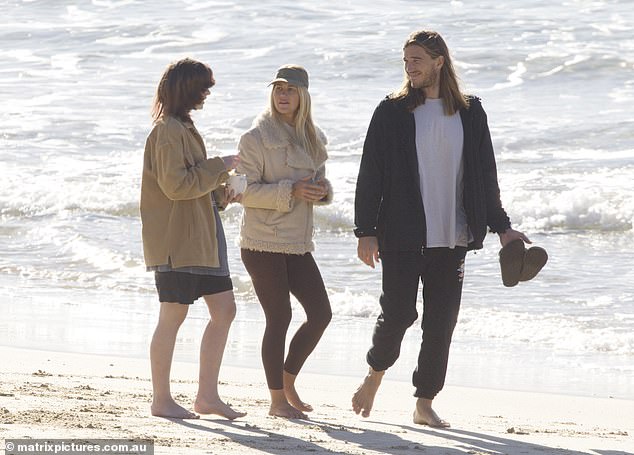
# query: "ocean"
557, 82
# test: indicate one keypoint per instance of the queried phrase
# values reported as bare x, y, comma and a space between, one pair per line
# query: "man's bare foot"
280, 407
363, 398
217, 407
291, 394
171, 409
425, 415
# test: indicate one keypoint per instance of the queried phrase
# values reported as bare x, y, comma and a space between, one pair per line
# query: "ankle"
278, 397
207, 397
375, 375
289, 380
160, 398
423, 404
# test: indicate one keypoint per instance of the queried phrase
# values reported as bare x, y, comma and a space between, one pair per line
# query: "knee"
172, 315
398, 311
326, 316
436, 334
321, 318
441, 324
228, 313
279, 319
169, 324
397, 322
224, 312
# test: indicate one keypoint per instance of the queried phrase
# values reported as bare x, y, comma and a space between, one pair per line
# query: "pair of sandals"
520, 264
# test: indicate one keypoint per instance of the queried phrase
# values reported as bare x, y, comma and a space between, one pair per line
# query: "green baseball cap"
291, 74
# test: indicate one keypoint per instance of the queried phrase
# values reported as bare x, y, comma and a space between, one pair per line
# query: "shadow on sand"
357, 439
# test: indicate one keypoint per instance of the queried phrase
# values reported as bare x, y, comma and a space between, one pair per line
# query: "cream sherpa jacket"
273, 220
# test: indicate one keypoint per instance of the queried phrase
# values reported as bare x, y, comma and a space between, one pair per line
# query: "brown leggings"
275, 276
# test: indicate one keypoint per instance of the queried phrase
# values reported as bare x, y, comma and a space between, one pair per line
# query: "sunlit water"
556, 79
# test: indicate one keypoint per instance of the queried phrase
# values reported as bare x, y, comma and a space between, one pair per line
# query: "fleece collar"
274, 135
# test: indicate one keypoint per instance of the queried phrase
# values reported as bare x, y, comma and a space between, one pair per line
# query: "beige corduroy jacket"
178, 221
273, 220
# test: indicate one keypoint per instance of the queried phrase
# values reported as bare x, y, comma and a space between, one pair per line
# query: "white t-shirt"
439, 141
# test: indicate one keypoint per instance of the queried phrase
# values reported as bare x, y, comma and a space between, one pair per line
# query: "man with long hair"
426, 192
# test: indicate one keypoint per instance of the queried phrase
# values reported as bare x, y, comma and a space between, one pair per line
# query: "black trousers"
441, 271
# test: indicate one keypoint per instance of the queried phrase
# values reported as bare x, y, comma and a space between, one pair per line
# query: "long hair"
453, 99
304, 127
181, 88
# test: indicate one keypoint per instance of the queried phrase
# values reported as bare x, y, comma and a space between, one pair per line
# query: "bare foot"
217, 407
280, 407
425, 415
363, 398
286, 410
291, 393
171, 409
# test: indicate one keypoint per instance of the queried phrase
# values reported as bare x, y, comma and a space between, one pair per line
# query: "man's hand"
368, 250
511, 234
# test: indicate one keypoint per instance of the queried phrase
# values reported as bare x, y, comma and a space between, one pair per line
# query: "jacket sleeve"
321, 174
321, 171
369, 190
219, 198
259, 194
497, 219
179, 177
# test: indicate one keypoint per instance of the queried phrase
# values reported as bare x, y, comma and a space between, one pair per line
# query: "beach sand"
70, 396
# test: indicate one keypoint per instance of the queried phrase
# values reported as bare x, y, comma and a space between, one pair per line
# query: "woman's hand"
231, 196
231, 161
309, 190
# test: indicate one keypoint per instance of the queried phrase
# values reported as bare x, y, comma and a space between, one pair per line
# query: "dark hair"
434, 45
181, 88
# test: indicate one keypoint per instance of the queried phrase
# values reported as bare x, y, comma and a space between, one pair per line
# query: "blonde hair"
453, 99
305, 130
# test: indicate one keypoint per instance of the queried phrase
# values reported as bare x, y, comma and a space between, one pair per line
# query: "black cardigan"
388, 203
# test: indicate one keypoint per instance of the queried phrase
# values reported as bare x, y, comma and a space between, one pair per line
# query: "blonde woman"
183, 239
283, 157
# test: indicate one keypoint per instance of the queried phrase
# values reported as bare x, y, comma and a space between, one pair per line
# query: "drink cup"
237, 183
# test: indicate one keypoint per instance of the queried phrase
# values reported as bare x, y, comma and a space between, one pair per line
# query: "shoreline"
47, 394
124, 328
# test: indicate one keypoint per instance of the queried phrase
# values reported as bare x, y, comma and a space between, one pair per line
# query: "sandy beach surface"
68, 396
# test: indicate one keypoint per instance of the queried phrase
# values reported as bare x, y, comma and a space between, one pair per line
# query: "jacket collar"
189, 126
275, 135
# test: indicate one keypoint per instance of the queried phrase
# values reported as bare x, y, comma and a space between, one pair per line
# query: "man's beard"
429, 80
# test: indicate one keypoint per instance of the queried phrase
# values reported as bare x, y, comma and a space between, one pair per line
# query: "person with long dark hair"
183, 239
283, 157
